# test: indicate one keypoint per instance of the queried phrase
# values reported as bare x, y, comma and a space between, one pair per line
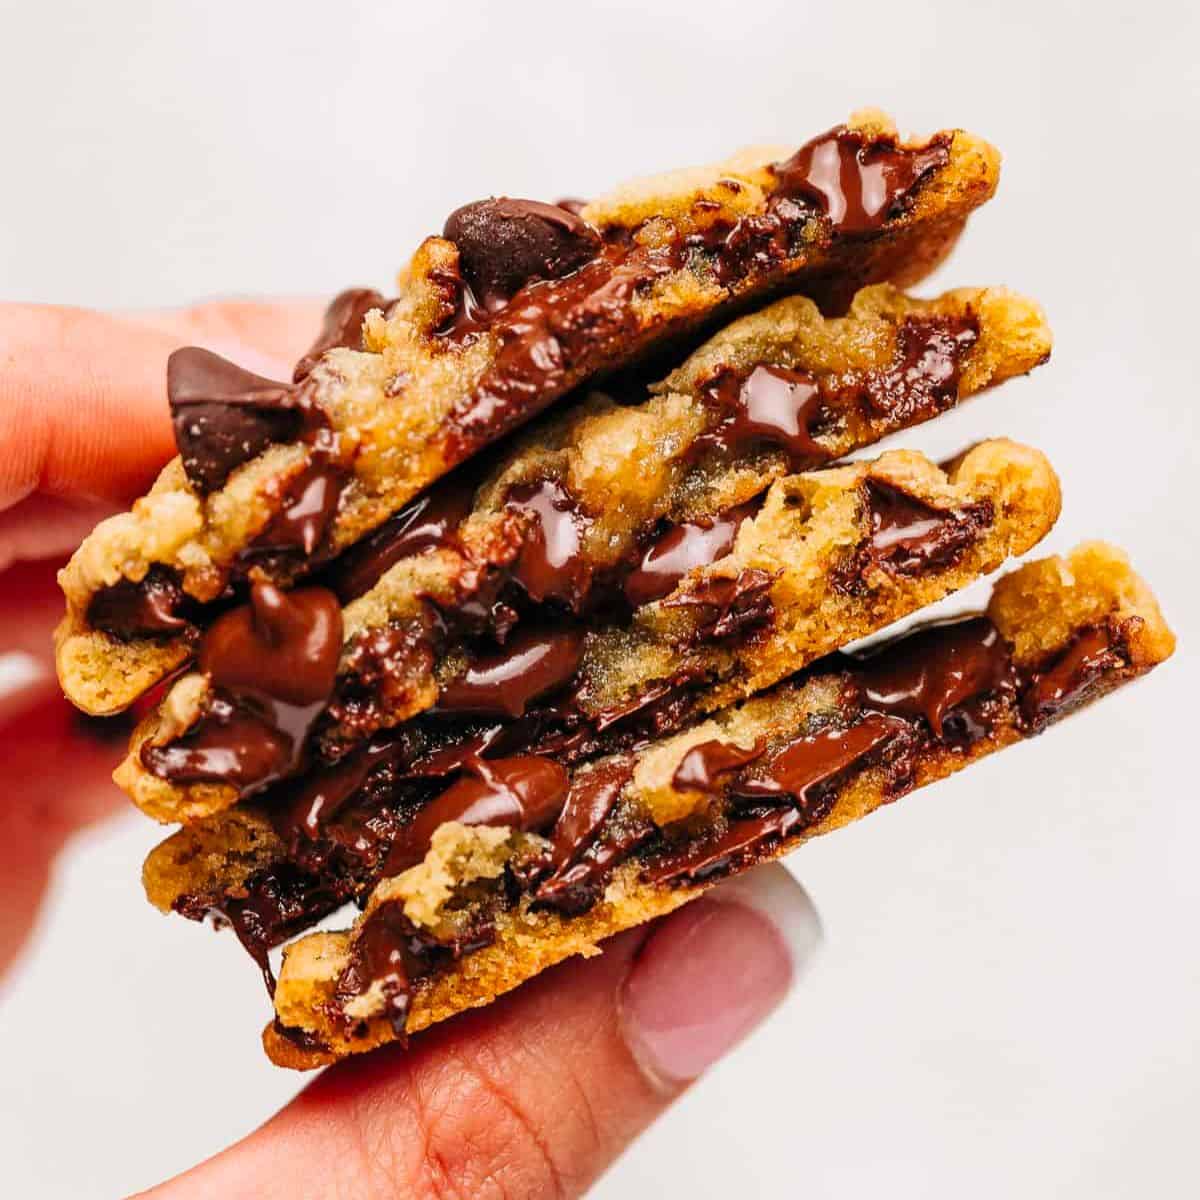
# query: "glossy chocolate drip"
505, 244
702, 767
936, 669
271, 665
910, 536
1068, 678
308, 510
525, 792
342, 326
224, 416
550, 564
731, 606
922, 381
431, 520
388, 951
155, 607
532, 664
682, 548
708, 857
798, 768
578, 886
857, 180
591, 798
771, 406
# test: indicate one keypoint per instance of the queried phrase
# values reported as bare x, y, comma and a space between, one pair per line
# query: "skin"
532, 1096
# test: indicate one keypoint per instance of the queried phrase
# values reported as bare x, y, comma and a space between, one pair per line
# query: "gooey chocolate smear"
715, 856
224, 416
934, 670
428, 521
153, 608
589, 801
702, 767
923, 378
550, 564
772, 406
504, 244
1069, 676
342, 327
525, 792
857, 180
271, 665
910, 536
683, 547
308, 510
729, 606
797, 768
532, 664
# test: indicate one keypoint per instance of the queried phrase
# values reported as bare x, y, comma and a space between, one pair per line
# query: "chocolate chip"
155, 607
224, 416
504, 244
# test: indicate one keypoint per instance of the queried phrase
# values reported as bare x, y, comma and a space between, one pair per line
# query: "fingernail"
714, 971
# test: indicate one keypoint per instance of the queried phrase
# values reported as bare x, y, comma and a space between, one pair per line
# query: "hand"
533, 1096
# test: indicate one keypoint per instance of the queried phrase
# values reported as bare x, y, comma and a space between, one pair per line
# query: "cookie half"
516, 305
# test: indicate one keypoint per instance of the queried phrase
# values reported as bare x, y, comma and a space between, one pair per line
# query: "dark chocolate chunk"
155, 607
551, 563
771, 406
1068, 678
342, 326
224, 416
591, 798
683, 547
525, 792
934, 670
504, 244
308, 510
798, 768
272, 665
922, 381
581, 884
712, 856
857, 180
532, 664
429, 520
910, 536
732, 606
701, 768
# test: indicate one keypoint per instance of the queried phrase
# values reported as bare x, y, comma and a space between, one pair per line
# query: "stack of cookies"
517, 615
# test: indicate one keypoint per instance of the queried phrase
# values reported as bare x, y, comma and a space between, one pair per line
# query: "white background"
1009, 1001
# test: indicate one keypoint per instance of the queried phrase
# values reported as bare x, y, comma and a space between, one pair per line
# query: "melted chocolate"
701, 768
771, 406
683, 547
426, 522
342, 327
798, 768
708, 857
923, 379
858, 181
550, 564
504, 244
308, 510
224, 416
1068, 678
532, 664
578, 886
934, 670
910, 536
526, 792
153, 608
591, 798
271, 665
735, 604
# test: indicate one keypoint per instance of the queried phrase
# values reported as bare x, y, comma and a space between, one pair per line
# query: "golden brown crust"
391, 402
809, 528
1039, 608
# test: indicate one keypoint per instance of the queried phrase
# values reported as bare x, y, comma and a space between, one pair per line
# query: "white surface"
1008, 1001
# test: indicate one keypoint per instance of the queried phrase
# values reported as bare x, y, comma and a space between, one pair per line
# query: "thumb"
537, 1094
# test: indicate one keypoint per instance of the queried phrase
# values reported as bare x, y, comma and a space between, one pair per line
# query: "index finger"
83, 410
